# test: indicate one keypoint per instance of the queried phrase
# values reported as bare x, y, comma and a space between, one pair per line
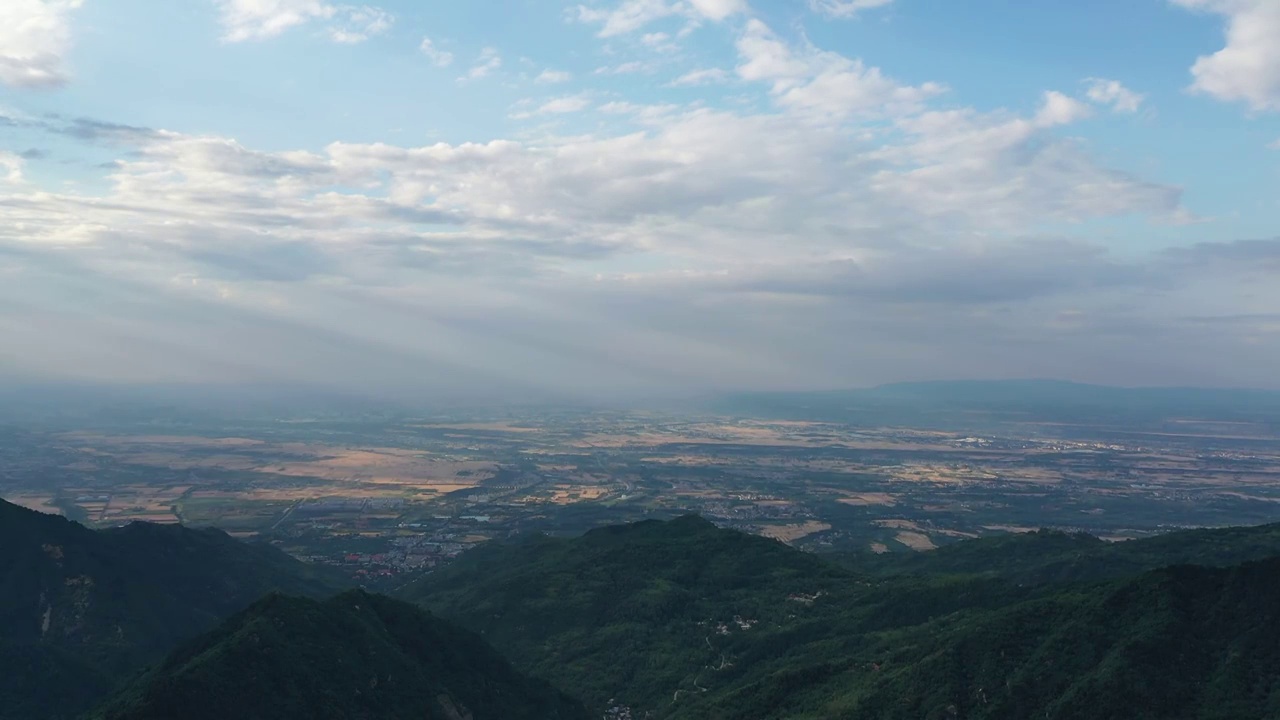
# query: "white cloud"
245, 20
852, 88
824, 83
766, 57
486, 63
34, 37
438, 57
691, 247
631, 15
567, 104
997, 170
706, 76
845, 8
626, 68
261, 19
10, 167
659, 42
1059, 109
718, 10
1114, 94
552, 77
628, 16
477, 263
650, 115
558, 106
1247, 69
682, 189
359, 24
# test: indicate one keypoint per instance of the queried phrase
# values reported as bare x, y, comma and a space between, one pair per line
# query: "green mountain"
621, 613
80, 609
676, 619
1182, 642
684, 620
355, 656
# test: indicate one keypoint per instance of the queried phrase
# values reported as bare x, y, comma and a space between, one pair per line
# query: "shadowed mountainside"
355, 656
82, 609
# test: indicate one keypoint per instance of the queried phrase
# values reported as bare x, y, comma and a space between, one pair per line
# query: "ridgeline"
677, 619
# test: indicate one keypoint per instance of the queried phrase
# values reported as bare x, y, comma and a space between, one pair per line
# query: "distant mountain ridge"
356, 656
1053, 556
1027, 400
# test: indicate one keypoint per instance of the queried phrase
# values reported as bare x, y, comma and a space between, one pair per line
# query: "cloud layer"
838, 226
34, 38
1247, 69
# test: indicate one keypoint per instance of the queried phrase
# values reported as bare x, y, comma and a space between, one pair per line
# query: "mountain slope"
81, 609
353, 656
684, 620
1182, 642
630, 612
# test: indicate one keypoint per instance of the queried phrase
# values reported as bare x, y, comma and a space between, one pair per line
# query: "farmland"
381, 495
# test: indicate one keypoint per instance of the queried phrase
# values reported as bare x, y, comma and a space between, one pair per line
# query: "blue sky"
630, 196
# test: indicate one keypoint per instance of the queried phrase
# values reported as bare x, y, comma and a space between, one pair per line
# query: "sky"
632, 198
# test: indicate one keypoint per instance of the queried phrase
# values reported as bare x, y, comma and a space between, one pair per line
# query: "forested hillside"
684, 620
354, 656
675, 619
81, 609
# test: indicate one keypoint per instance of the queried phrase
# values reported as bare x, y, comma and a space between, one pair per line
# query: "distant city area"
380, 496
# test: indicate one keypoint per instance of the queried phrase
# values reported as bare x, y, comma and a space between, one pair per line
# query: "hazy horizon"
638, 198
124, 402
